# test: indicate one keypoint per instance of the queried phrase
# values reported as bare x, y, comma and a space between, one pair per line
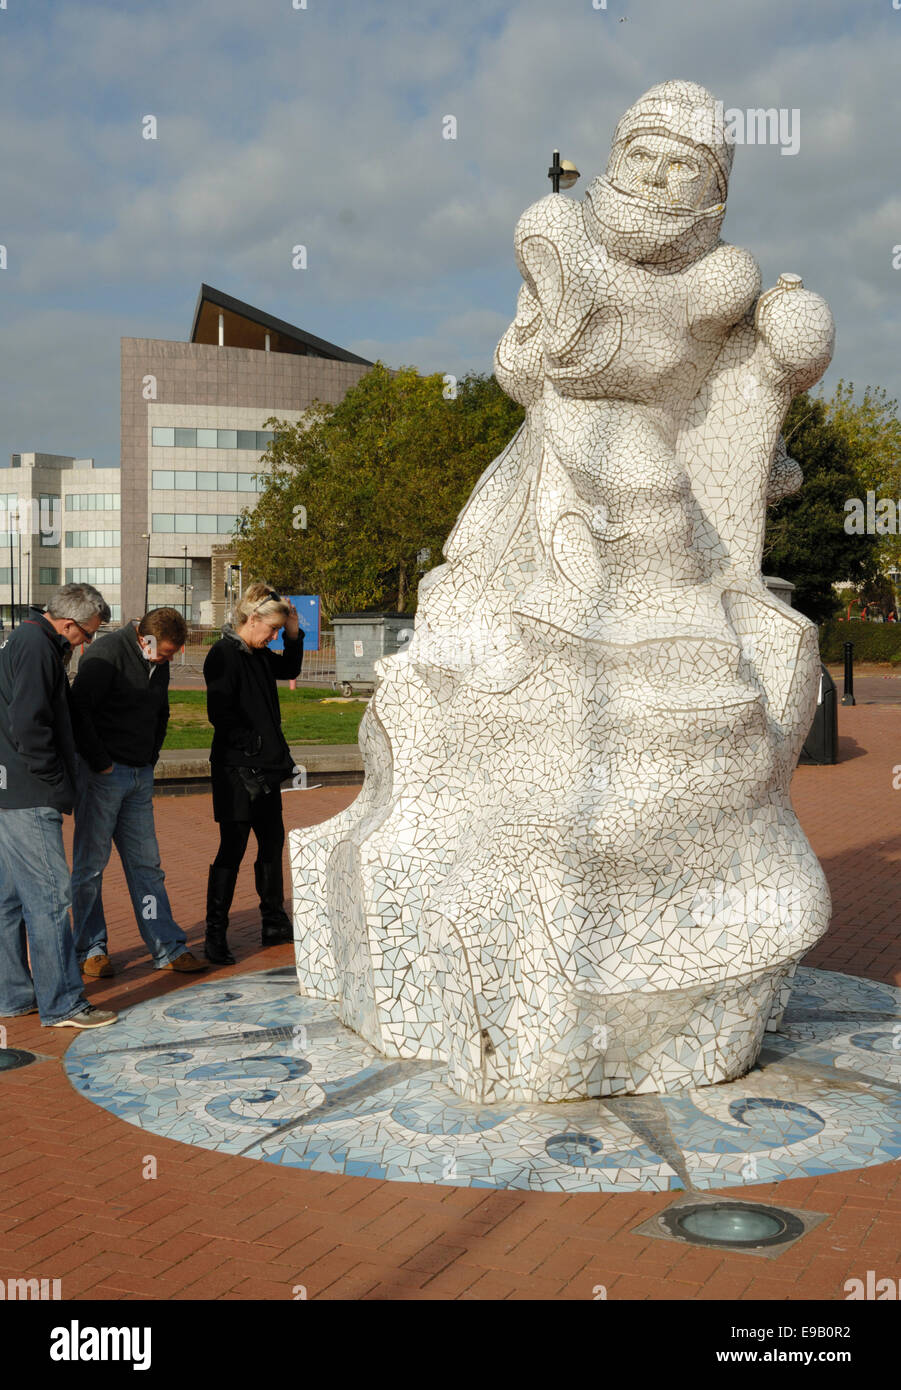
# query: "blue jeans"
117, 807
35, 897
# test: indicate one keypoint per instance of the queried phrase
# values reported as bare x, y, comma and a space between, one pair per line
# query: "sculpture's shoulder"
552, 217
725, 284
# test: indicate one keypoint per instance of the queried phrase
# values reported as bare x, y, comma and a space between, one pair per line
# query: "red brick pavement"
75, 1206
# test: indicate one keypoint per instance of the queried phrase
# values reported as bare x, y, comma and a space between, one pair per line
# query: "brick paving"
74, 1203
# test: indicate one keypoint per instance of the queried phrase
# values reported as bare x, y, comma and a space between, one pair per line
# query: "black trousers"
267, 825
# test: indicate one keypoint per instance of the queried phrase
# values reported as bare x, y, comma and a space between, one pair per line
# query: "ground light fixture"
11, 1058
724, 1223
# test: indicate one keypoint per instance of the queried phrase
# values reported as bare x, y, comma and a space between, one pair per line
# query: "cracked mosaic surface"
253, 1069
576, 820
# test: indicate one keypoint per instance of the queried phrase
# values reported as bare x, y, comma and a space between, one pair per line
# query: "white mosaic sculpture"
573, 869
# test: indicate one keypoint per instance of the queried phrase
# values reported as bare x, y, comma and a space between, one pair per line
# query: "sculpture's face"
666, 171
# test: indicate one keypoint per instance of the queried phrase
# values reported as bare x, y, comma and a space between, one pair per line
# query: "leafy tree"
358, 499
805, 537
872, 431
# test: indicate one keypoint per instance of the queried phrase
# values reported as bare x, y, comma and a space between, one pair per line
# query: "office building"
159, 529
193, 430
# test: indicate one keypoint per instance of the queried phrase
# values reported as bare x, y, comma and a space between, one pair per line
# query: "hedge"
872, 641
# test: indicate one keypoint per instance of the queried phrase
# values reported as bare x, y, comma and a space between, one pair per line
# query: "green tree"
358, 499
805, 537
872, 431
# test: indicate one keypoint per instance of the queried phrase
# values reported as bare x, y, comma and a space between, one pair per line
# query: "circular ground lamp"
732, 1225
13, 1057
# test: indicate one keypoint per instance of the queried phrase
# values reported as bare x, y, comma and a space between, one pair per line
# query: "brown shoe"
186, 962
97, 967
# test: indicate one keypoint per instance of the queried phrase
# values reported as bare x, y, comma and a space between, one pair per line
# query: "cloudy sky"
322, 126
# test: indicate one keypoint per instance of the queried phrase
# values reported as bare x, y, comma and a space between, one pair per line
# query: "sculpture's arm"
785, 475
723, 287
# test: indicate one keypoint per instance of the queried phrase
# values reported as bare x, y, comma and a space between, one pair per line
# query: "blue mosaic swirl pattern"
253, 1069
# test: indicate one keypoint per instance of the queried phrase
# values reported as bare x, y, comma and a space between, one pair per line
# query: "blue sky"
323, 126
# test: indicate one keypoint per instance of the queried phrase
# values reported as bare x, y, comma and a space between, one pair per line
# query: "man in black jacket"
122, 701
37, 787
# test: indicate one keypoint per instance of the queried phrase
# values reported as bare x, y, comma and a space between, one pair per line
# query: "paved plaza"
119, 1212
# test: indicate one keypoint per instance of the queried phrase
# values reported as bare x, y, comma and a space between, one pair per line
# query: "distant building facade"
193, 430
59, 524
159, 530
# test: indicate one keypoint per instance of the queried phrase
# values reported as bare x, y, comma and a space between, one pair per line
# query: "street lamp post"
145, 536
562, 173
20, 571
184, 576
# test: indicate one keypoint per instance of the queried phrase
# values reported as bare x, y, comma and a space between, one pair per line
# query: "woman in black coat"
249, 760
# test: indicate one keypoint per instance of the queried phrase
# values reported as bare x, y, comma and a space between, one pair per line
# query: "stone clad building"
193, 417
158, 529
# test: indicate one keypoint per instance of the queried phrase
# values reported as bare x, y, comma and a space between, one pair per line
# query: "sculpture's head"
663, 197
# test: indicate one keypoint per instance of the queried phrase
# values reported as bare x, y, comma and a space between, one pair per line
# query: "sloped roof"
246, 326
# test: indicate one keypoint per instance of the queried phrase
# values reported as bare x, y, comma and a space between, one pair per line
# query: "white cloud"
323, 127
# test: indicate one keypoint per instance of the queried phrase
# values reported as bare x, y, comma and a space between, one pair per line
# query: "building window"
94, 574
168, 574
164, 437
9, 517
115, 612
186, 480
93, 502
187, 522
92, 539
46, 575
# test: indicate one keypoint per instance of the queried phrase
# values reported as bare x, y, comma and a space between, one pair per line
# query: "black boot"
220, 890
277, 928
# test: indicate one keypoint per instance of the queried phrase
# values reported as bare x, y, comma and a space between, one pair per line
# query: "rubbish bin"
821, 744
362, 639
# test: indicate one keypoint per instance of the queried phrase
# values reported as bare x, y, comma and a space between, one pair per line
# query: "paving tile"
844, 811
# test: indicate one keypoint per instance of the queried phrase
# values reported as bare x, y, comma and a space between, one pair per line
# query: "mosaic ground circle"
250, 1068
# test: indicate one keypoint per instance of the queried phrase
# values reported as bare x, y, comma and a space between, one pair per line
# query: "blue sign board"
308, 612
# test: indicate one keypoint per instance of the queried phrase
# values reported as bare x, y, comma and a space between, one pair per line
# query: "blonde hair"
262, 601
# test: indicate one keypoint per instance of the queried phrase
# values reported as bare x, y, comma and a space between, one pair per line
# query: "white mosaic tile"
574, 868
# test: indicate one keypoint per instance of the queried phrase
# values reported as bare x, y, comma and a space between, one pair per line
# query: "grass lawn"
305, 718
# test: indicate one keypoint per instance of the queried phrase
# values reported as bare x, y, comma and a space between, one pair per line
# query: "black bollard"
848, 696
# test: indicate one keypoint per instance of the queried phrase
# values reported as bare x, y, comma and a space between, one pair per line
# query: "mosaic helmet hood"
686, 111
630, 225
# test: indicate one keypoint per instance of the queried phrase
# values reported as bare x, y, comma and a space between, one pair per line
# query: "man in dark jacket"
37, 787
121, 696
